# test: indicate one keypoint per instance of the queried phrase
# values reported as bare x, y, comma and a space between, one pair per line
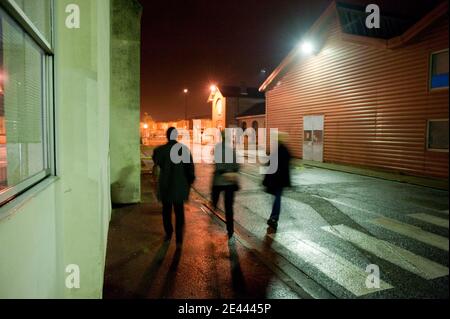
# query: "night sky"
192, 44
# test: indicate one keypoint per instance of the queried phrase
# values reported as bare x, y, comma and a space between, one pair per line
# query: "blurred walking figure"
174, 183
226, 180
275, 183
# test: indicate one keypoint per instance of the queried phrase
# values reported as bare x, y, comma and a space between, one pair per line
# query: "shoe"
272, 223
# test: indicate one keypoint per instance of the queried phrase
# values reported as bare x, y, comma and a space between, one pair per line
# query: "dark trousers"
229, 201
179, 217
276, 209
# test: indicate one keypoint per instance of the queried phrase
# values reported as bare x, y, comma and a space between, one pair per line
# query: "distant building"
205, 121
230, 102
198, 125
152, 131
367, 97
254, 117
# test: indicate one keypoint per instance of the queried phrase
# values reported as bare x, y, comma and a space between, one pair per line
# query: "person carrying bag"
226, 180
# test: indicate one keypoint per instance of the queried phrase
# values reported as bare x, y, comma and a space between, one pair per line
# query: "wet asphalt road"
139, 264
339, 230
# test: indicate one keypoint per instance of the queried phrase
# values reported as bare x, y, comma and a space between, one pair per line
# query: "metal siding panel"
376, 103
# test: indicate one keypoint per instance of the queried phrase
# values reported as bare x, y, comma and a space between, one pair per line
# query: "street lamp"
186, 92
213, 88
307, 47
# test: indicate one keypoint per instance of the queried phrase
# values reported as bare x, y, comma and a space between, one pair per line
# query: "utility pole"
186, 92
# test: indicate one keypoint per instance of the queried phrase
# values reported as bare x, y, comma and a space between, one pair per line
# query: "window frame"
15, 12
219, 107
430, 72
439, 150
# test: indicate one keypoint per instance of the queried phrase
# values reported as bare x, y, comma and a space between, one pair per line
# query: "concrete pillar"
125, 101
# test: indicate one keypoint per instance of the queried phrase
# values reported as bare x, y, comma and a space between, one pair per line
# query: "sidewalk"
365, 171
392, 176
140, 265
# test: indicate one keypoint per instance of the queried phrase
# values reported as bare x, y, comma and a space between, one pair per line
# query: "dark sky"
191, 44
194, 43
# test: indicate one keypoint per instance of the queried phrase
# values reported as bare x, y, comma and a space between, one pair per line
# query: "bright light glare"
145, 126
213, 88
185, 90
307, 47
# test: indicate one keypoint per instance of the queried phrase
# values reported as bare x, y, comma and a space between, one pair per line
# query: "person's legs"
215, 194
275, 216
179, 226
167, 219
229, 214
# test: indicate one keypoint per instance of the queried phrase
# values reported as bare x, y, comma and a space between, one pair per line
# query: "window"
437, 139
219, 107
39, 12
307, 137
439, 70
24, 95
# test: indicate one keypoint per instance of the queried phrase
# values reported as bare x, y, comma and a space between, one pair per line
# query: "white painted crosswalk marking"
337, 268
413, 232
441, 222
403, 258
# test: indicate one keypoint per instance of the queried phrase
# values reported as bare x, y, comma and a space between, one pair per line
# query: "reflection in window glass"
38, 11
439, 70
318, 137
21, 105
307, 136
438, 134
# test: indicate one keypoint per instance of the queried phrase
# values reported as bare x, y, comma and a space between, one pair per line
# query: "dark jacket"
282, 177
221, 167
175, 180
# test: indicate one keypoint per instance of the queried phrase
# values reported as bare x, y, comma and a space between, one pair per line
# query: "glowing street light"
307, 47
213, 88
185, 91
145, 126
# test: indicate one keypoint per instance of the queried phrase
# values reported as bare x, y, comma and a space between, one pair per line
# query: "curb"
440, 184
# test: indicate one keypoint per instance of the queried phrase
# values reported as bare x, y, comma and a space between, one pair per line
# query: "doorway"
313, 138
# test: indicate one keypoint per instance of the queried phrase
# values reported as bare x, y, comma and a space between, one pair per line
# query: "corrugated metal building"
377, 99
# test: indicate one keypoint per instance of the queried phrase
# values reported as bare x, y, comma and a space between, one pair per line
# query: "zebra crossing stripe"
413, 232
403, 258
441, 222
445, 211
337, 268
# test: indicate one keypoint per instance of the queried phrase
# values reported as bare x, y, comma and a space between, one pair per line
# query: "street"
334, 225
140, 264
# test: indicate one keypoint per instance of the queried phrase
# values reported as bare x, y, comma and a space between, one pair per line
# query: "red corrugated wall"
376, 102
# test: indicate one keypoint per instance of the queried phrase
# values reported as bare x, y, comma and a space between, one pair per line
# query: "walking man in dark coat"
225, 180
275, 183
175, 179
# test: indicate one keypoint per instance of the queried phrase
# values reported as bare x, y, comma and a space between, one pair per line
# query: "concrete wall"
125, 101
64, 220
